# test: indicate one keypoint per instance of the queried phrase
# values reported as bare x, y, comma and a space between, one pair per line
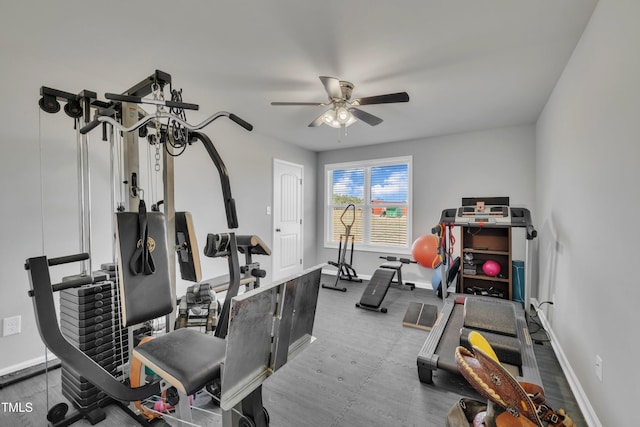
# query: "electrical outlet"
599, 367
11, 325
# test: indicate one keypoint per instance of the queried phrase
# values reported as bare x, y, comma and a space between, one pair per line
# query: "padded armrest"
221, 283
254, 243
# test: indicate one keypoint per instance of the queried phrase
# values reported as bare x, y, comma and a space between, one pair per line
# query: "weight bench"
379, 283
395, 264
502, 322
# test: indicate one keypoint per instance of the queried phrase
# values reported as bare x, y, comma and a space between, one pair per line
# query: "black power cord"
536, 321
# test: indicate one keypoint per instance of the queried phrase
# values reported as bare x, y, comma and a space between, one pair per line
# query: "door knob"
277, 230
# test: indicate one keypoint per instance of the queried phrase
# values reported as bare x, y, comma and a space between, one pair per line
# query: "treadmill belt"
451, 339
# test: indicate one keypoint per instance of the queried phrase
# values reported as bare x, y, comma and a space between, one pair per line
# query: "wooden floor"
361, 371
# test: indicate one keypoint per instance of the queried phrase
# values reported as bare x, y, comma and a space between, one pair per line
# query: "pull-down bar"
104, 119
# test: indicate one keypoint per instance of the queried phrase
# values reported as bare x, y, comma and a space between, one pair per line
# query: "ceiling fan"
344, 111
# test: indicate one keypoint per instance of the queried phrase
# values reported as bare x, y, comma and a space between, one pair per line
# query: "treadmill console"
481, 214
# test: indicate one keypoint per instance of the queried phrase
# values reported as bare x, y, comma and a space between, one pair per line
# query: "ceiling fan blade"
383, 99
332, 86
318, 121
299, 103
368, 118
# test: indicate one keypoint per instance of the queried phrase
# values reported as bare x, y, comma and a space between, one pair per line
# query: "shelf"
485, 277
485, 251
488, 244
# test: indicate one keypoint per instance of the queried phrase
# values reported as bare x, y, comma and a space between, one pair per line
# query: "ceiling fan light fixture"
338, 118
329, 117
343, 115
344, 111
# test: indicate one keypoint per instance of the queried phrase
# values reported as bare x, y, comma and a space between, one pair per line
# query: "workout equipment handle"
78, 281
89, 126
532, 233
353, 218
229, 202
258, 272
248, 126
402, 260
140, 100
217, 245
63, 260
528, 223
161, 115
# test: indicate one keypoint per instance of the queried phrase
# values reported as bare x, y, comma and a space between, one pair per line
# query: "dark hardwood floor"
360, 371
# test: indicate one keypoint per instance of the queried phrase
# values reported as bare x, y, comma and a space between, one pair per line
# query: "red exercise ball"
425, 251
491, 268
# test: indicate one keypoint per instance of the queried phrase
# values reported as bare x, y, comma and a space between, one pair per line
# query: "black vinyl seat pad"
186, 358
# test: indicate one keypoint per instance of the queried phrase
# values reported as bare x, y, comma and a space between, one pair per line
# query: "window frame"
367, 204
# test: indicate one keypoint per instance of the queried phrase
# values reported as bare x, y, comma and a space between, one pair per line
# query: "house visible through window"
380, 190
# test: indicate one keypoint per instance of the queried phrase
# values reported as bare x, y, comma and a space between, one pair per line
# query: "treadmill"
454, 322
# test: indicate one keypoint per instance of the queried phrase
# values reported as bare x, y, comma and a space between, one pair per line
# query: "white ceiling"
466, 64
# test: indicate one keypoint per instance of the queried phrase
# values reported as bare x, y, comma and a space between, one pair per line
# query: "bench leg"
183, 411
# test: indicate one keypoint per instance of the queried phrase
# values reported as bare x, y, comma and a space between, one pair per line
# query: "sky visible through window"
388, 183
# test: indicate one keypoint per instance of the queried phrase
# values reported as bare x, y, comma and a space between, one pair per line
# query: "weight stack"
88, 321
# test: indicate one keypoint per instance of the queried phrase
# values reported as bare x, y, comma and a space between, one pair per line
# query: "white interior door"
287, 219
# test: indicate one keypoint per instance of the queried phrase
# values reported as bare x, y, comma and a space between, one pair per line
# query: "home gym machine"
345, 269
187, 360
502, 322
141, 280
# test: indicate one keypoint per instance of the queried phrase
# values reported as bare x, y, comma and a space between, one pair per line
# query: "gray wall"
249, 158
497, 162
587, 191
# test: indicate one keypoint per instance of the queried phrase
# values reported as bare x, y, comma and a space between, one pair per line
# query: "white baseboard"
422, 285
28, 364
581, 398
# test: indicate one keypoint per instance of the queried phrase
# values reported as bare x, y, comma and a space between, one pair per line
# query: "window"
380, 191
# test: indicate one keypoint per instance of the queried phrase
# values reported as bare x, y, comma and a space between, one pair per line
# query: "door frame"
276, 162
